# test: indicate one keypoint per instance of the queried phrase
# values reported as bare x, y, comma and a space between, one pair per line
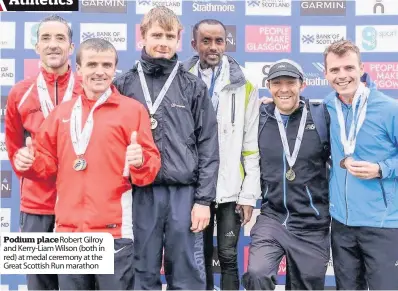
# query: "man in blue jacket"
363, 190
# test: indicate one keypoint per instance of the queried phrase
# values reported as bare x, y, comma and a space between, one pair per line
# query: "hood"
236, 76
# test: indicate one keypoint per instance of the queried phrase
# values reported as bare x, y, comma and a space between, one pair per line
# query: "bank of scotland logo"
88, 35
253, 3
308, 39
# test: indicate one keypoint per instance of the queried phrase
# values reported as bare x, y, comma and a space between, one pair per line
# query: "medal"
290, 175
79, 164
152, 107
81, 135
291, 158
342, 163
154, 123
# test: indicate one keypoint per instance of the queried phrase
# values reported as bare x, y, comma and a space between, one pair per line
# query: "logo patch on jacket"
310, 126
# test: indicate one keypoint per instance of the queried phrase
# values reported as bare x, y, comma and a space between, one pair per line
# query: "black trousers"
39, 223
307, 255
228, 229
121, 279
365, 257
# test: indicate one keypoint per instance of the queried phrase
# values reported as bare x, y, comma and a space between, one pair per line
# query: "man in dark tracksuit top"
294, 219
172, 212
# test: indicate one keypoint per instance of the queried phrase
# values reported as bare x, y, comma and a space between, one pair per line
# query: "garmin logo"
209, 7
39, 5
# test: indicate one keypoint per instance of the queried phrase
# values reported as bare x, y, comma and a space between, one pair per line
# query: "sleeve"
251, 188
45, 164
147, 173
389, 167
14, 130
206, 132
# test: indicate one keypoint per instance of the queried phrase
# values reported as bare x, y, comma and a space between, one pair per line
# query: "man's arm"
251, 190
14, 130
146, 173
206, 132
389, 167
43, 152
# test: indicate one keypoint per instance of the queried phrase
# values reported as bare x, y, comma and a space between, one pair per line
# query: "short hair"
164, 16
207, 21
55, 18
341, 48
96, 44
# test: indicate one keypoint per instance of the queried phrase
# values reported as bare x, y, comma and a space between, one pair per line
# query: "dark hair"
96, 44
207, 21
341, 48
55, 18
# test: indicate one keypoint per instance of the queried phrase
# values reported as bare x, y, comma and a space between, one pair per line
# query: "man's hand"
266, 100
24, 157
134, 152
245, 212
362, 169
200, 217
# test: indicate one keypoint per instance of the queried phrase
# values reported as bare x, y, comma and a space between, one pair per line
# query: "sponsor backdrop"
259, 32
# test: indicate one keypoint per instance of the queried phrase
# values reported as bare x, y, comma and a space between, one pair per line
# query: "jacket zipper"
384, 193
346, 185
311, 203
56, 92
284, 184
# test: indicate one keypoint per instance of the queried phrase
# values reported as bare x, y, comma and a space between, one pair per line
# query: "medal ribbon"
80, 138
291, 158
153, 107
358, 117
45, 101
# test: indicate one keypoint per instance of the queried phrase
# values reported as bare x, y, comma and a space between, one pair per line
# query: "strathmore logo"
39, 5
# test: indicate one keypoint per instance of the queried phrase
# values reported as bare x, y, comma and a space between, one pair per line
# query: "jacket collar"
157, 66
236, 76
113, 99
50, 78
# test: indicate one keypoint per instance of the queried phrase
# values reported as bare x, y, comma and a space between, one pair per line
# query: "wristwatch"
380, 172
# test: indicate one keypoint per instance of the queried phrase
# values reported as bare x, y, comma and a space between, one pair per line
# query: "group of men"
180, 148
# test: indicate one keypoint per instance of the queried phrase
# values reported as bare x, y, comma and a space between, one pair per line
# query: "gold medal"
79, 164
154, 123
290, 175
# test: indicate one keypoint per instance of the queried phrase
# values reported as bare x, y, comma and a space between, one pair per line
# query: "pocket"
191, 145
122, 246
307, 190
264, 193
21, 220
383, 191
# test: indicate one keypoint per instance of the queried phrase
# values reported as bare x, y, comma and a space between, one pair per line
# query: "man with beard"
29, 103
235, 100
294, 219
173, 211
363, 191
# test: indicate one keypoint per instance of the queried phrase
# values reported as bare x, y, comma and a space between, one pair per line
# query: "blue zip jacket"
359, 202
